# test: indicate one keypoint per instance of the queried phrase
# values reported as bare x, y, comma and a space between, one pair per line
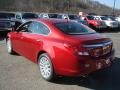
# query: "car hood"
88, 39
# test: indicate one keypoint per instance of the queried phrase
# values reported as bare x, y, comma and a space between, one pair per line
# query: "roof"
52, 21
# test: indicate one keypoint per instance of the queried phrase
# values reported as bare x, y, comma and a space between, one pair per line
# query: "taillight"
96, 52
89, 50
100, 51
83, 52
76, 50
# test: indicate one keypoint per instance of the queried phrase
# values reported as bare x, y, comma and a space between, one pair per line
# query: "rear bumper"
101, 27
113, 26
87, 65
100, 63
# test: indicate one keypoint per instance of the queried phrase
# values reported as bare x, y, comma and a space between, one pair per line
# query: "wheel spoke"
45, 67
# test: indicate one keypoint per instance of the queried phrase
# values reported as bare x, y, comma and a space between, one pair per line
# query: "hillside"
73, 6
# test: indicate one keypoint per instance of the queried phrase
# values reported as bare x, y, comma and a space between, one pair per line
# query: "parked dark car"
6, 21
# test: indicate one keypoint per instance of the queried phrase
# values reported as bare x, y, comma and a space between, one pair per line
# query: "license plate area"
103, 63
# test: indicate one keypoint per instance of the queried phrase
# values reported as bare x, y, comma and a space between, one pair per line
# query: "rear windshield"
29, 16
74, 28
7, 15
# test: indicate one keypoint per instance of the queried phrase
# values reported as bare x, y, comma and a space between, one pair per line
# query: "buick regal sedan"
61, 47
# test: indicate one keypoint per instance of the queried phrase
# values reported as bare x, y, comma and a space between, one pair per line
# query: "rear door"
34, 41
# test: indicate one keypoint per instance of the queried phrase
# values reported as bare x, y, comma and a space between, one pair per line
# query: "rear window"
29, 16
74, 28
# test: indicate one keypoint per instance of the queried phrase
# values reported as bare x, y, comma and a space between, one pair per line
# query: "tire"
46, 67
9, 46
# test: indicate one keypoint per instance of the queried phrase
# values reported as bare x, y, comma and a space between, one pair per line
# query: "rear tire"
46, 67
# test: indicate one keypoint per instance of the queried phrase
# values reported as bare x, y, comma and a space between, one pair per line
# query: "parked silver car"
110, 23
72, 17
25, 16
48, 15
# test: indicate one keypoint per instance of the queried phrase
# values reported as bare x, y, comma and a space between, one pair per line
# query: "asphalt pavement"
18, 73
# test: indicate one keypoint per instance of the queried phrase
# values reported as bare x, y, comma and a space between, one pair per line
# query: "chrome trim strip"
98, 45
107, 43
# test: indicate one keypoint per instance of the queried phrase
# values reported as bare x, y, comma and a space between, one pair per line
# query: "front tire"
9, 46
46, 67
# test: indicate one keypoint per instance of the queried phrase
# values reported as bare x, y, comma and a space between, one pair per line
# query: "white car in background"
73, 17
108, 21
118, 19
48, 15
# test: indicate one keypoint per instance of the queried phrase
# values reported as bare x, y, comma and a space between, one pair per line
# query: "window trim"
37, 33
44, 25
22, 25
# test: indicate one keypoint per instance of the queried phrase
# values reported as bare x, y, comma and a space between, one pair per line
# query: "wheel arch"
39, 53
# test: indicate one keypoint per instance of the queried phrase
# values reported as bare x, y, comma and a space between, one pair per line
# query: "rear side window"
39, 28
73, 28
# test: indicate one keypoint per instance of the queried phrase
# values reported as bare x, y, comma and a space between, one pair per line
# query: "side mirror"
15, 25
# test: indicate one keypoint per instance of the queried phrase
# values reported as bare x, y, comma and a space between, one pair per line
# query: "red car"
61, 47
95, 23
